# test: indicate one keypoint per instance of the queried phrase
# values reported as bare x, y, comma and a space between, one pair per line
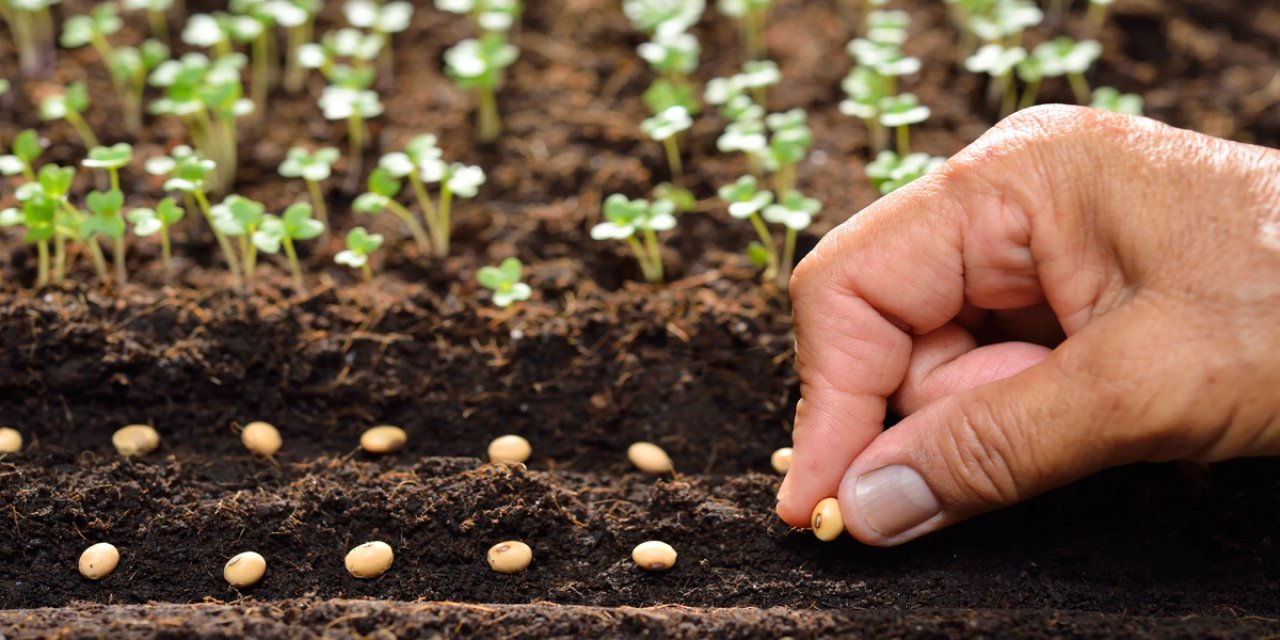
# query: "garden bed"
593, 363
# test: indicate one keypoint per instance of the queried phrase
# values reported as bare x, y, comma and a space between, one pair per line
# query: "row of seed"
369, 560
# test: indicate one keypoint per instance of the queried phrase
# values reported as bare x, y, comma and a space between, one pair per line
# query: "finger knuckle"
981, 457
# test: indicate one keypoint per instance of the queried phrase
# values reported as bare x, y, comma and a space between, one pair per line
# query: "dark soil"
589, 366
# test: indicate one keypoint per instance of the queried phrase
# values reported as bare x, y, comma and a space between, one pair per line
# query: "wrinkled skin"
1130, 273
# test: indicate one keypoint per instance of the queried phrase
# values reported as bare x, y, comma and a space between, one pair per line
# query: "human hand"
1155, 251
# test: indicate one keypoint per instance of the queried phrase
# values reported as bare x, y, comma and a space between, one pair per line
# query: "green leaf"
108, 203
169, 211
383, 183
109, 225
77, 97
491, 278
758, 255
271, 235
55, 180
113, 157
363, 242
511, 269
27, 146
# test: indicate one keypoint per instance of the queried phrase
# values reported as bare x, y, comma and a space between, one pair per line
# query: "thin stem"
1029, 95
293, 264
295, 76
99, 261
1010, 100
415, 229
788, 257
115, 178
904, 140
118, 257
645, 267
424, 201
250, 253
82, 129
159, 25
785, 179
227, 252
1096, 16
368, 272
443, 220
261, 76
318, 203
488, 124
1080, 86
355, 138
166, 255
876, 132
42, 273
655, 253
59, 257
771, 249
673, 159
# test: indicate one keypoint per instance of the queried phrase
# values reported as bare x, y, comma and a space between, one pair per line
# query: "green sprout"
207, 97
1064, 56
487, 15
674, 55
37, 215
746, 202
899, 113
93, 29
70, 106
384, 186
344, 57
148, 222
1111, 99
788, 146
156, 10
794, 212
298, 17
624, 218
751, 16
105, 219
662, 16
866, 91
757, 76
188, 172
888, 27
478, 65
54, 184
112, 159
504, 281
360, 245
130, 70
1097, 14
276, 232
27, 148
314, 167
998, 62
890, 172
383, 19
663, 128
1004, 21
239, 217
356, 107
253, 22
31, 23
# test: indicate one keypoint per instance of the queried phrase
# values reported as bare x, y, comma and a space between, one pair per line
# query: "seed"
781, 460
370, 559
654, 555
383, 439
649, 458
99, 560
136, 440
511, 556
10, 440
826, 520
245, 569
261, 438
509, 449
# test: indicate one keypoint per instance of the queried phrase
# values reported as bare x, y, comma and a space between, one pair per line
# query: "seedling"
664, 127
757, 76
674, 55
794, 212
27, 148
998, 62
370, 560
355, 106
1065, 56
478, 65
383, 189
344, 57
654, 555
314, 167
382, 19
38, 216
239, 217
360, 244
504, 281
487, 15
866, 92
788, 146
509, 557
188, 172
130, 71
624, 218
112, 159
888, 27
253, 22
295, 224
70, 106
662, 16
31, 24
1004, 21
93, 29
208, 97
900, 112
156, 10
298, 18
244, 570
751, 15
148, 222
105, 219
746, 202
1110, 99
890, 172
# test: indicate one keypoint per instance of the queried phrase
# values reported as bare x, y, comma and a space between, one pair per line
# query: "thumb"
1089, 405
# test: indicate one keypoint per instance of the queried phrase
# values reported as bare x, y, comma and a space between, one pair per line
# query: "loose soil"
591, 364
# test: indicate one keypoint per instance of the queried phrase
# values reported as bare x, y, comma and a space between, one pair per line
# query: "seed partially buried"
245, 569
383, 439
826, 520
370, 560
261, 438
10, 440
649, 458
511, 556
99, 560
135, 440
510, 449
654, 555
781, 460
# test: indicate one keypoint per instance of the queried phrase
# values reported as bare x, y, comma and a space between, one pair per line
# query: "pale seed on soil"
649, 458
261, 438
511, 556
781, 460
136, 440
370, 560
827, 522
654, 555
245, 569
383, 439
510, 450
99, 560
10, 440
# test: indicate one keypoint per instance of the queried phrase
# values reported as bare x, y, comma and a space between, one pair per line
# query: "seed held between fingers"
10, 440
654, 555
383, 439
99, 560
781, 460
826, 520
245, 569
135, 440
261, 438
370, 560
509, 449
511, 556
649, 458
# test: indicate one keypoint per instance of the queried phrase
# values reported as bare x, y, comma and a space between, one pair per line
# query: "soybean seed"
99, 560
509, 450
511, 556
245, 569
826, 520
370, 560
383, 439
781, 460
261, 438
649, 458
654, 555
136, 440
10, 440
